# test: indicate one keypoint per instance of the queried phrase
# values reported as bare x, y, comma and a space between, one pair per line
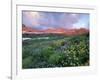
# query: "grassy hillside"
55, 51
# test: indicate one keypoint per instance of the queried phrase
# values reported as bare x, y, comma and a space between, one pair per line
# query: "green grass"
45, 53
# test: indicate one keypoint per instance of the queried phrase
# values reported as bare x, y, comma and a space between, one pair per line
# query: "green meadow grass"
56, 51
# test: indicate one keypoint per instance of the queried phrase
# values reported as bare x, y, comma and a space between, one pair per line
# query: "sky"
53, 20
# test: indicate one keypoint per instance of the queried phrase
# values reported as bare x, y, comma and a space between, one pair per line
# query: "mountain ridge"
71, 31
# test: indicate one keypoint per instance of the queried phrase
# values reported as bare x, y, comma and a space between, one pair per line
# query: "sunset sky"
46, 20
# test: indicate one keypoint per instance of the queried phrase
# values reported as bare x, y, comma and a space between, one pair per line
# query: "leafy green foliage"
63, 51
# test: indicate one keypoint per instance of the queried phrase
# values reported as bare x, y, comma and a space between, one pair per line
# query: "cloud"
83, 22
68, 19
30, 18
45, 20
